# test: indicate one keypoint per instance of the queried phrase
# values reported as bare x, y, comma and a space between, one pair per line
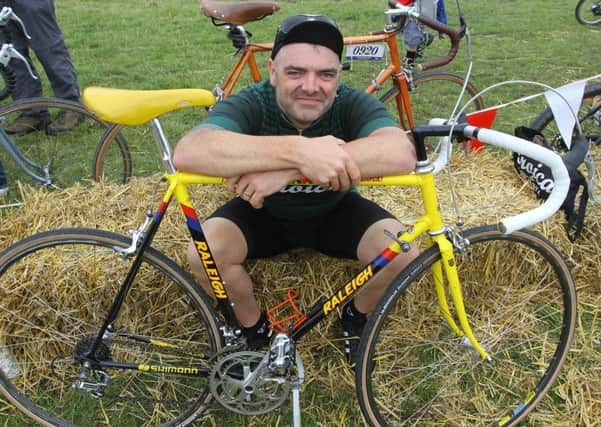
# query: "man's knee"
377, 237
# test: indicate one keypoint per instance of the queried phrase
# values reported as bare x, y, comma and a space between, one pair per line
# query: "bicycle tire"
591, 127
583, 8
435, 95
521, 304
110, 164
55, 289
64, 157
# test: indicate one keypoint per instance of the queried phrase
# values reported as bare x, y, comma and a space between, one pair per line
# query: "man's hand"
326, 163
254, 187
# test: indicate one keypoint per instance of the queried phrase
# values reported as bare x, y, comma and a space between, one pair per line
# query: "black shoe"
25, 124
258, 336
352, 323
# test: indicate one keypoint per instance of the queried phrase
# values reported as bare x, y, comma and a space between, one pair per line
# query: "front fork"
448, 264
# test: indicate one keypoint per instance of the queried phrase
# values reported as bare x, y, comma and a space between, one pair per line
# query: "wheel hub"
82, 349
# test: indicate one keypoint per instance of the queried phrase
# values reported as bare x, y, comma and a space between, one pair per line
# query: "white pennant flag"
564, 117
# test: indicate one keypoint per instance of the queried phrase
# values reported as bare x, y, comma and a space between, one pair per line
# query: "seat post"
162, 144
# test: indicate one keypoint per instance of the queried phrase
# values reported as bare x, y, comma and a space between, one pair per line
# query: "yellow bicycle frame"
429, 223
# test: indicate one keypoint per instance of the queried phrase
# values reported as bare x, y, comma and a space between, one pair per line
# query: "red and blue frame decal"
204, 252
191, 218
161, 211
384, 258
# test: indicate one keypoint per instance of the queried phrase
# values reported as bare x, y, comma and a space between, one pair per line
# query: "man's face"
305, 77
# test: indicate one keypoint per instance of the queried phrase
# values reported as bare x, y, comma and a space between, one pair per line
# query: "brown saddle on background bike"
238, 13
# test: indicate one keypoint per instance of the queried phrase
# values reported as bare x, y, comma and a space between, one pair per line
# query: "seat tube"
253, 67
203, 250
402, 99
235, 73
403, 103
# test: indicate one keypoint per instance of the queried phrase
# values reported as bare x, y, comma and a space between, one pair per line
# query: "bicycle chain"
144, 345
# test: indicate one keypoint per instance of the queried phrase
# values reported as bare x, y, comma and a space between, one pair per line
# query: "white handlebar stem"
547, 157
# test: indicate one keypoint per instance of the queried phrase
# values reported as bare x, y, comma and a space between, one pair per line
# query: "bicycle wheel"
588, 12
435, 95
55, 290
110, 164
589, 116
144, 158
521, 304
60, 159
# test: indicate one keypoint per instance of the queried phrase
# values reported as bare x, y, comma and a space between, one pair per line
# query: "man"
301, 124
49, 46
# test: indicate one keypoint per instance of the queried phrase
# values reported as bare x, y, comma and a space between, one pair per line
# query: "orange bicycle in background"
416, 101
419, 93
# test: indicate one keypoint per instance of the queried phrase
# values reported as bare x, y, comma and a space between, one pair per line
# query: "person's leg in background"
48, 44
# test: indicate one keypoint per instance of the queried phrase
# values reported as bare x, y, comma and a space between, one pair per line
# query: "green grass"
171, 44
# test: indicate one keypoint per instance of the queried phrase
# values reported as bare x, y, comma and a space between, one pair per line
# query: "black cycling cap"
313, 29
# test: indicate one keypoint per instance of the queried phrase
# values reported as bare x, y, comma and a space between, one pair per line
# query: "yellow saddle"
136, 107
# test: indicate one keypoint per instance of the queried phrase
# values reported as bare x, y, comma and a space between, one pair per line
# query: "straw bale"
487, 189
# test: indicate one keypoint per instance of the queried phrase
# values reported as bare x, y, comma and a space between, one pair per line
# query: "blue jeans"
48, 44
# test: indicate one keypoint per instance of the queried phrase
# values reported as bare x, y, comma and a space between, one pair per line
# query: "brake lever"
8, 53
7, 14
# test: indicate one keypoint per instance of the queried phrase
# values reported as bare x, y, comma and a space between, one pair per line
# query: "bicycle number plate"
367, 52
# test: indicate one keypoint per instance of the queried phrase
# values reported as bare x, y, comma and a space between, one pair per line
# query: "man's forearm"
387, 151
225, 153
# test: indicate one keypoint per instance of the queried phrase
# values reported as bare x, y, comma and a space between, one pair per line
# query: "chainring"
230, 385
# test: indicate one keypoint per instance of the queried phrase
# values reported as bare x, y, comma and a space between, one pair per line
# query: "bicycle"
55, 161
589, 118
588, 12
412, 98
153, 349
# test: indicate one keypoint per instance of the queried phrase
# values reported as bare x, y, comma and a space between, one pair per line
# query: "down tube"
328, 305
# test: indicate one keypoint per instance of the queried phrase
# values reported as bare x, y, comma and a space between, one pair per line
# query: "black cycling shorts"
335, 234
